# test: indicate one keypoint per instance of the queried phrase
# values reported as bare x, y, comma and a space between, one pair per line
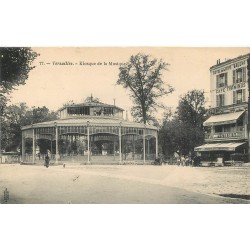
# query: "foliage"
191, 108
17, 116
183, 131
142, 75
15, 65
44, 145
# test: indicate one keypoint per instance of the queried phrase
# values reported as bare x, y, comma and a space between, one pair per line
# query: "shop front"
220, 154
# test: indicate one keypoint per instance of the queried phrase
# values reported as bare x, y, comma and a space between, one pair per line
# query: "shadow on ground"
238, 196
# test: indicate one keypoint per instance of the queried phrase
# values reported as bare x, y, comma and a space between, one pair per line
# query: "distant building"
227, 131
90, 132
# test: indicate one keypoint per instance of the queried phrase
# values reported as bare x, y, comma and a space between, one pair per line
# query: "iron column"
88, 142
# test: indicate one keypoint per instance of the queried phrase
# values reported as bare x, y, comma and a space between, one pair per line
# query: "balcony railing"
226, 135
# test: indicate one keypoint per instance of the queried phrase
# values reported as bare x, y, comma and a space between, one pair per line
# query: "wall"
230, 87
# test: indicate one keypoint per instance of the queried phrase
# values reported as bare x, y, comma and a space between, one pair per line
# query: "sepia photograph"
124, 125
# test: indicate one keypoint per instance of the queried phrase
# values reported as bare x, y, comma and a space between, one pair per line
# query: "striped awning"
223, 119
230, 146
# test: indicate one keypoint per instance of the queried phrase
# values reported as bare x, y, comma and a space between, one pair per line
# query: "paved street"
79, 184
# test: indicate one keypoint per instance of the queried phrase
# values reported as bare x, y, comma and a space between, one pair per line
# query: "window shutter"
244, 74
243, 95
225, 78
234, 97
217, 100
222, 100
234, 76
217, 81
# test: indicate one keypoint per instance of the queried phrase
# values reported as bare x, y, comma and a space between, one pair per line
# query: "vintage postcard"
124, 125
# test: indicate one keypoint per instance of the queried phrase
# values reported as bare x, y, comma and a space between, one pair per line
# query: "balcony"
238, 80
221, 136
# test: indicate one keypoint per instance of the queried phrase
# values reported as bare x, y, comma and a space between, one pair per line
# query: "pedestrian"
183, 160
192, 161
47, 158
178, 161
49, 153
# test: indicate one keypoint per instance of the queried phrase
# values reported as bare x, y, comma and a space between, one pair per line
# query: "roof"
231, 146
223, 119
95, 121
229, 61
91, 104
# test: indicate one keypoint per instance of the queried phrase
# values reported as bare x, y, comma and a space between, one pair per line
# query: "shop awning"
231, 146
223, 119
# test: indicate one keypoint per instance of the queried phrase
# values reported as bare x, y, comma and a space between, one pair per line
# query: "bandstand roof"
95, 121
91, 104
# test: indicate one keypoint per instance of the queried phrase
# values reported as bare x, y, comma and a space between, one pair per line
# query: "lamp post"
88, 138
57, 149
33, 145
120, 143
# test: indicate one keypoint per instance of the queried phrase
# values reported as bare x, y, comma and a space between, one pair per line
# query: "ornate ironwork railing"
226, 135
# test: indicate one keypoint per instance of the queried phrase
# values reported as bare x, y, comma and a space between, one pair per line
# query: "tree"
191, 113
142, 75
191, 108
17, 116
15, 65
174, 136
14, 120
43, 114
184, 131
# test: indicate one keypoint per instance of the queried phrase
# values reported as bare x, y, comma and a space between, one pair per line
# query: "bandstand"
90, 133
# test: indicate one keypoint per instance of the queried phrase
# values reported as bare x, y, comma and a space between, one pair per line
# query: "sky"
51, 84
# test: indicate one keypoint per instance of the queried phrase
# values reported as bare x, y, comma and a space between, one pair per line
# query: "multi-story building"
227, 130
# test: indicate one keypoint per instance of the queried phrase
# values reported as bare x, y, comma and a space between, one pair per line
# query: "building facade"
90, 132
227, 128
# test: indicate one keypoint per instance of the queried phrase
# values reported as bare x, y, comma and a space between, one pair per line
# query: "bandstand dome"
90, 133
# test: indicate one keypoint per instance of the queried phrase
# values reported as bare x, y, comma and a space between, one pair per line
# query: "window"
108, 111
239, 75
78, 110
221, 80
239, 96
227, 128
218, 129
220, 99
